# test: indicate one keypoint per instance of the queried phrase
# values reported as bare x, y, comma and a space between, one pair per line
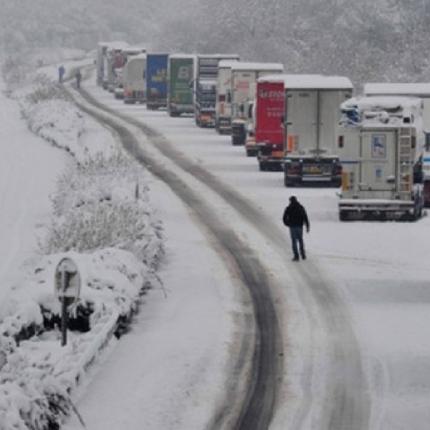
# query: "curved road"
345, 401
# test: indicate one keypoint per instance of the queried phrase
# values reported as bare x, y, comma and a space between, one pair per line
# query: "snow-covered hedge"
102, 218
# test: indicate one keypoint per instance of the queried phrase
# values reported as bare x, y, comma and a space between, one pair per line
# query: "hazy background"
366, 40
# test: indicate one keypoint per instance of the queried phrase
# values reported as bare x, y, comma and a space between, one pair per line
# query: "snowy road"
346, 396
345, 367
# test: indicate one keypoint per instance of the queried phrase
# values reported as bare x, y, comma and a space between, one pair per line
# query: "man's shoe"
296, 259
303, 256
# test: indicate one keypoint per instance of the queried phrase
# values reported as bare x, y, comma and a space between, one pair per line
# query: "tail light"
340, 141
292, 143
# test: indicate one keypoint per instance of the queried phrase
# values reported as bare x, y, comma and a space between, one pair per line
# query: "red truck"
269, 129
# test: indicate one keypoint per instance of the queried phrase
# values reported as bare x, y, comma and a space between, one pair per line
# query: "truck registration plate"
312, 170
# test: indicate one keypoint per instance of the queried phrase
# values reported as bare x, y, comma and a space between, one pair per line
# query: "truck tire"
288, 182
343, 215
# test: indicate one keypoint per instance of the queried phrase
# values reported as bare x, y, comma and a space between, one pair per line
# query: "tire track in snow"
258, 401
347, 405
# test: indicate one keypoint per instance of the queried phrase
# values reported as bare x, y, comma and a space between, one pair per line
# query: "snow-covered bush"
100, 204
44, 89
98, 225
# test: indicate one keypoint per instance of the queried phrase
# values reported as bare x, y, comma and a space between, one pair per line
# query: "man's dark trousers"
297, 237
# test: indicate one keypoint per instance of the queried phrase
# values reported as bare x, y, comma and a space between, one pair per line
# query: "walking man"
61, 72
78, 77
295, 217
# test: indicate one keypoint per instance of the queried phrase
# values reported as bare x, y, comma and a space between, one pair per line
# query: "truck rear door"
378, 160
242, 86
329, 116
270, 109
301, 120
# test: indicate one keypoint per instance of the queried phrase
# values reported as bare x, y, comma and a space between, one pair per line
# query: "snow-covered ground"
379, 269
182, 339
169, 371
29, 169
69, 188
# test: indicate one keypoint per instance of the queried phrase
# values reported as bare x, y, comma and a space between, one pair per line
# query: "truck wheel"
343, 215
288, 183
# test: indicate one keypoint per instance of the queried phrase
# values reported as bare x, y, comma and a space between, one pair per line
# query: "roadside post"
67, 289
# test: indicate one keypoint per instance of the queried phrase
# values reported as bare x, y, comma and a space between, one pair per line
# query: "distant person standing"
295, 217
61, 73
78, 77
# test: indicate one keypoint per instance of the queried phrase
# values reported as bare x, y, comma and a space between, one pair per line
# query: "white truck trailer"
126, 53
422, 91
244, 78
134, 79
100, 62
381, 148
311, 127
223, 97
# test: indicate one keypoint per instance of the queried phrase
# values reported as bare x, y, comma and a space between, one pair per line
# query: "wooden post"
63, 310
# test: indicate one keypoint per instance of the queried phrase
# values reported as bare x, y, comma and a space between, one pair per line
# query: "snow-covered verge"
102, 219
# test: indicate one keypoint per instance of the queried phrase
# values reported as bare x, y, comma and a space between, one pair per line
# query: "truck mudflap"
325, 172
426, 192
270, 157
238, 133
251, 147
379, 210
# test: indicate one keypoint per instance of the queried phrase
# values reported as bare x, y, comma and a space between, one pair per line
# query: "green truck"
180, 78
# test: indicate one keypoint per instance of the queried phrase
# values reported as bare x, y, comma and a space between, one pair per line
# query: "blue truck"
156, 81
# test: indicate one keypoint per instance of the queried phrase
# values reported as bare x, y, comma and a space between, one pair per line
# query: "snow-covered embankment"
102, 218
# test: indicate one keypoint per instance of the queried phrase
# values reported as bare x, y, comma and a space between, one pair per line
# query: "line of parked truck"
375, 147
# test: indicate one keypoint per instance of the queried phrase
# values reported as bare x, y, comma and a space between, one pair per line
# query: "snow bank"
103, 220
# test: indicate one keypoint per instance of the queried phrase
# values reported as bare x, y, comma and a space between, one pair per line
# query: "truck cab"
206, 87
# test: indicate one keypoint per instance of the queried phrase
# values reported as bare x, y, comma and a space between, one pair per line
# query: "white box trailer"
381, 149
223, 97
422, 91
244, 78
100, 63
311, 124
134, 79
